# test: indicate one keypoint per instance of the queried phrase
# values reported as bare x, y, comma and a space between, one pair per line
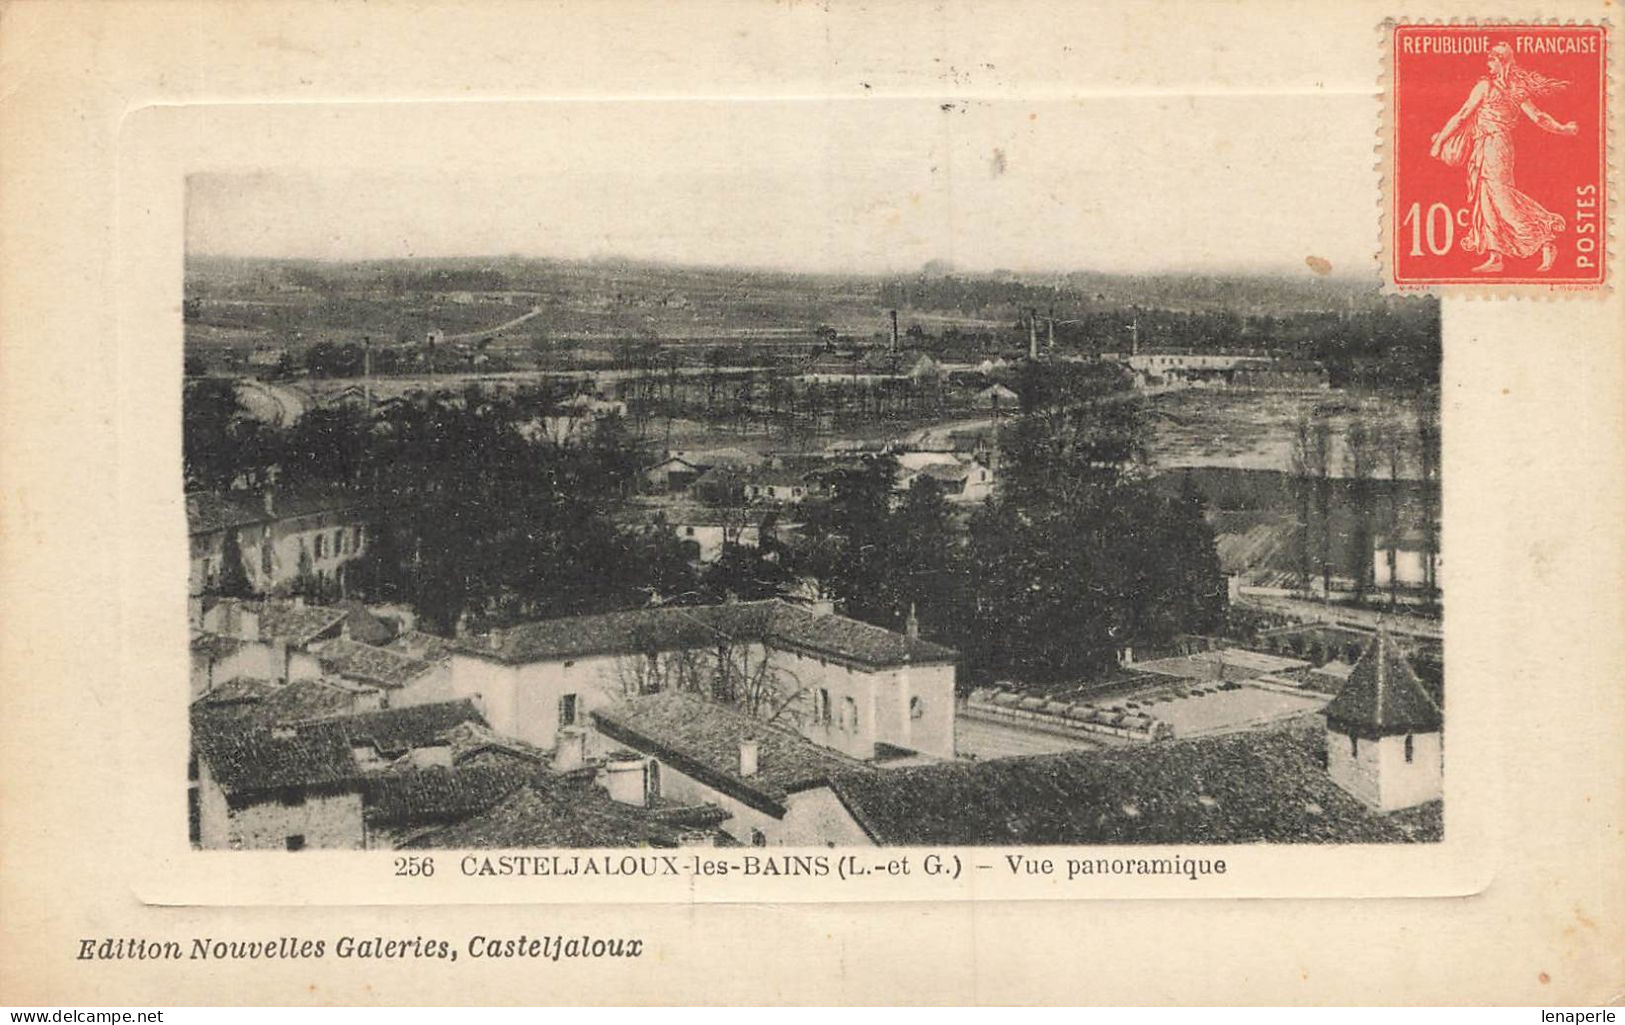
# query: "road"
469, 336
271, 403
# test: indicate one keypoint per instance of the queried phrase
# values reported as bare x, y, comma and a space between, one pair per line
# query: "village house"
676, 471
1252, 787
1405, 562
772, 783
964, 481
1385, 733
711, 530
351, 781
280, 538
259, 639
571, 810
845, 685
997, 396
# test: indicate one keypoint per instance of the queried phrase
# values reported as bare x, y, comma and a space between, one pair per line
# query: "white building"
1385, 733
843, 684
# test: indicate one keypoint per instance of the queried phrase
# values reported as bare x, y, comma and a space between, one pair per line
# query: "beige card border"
158, 150
1532, 490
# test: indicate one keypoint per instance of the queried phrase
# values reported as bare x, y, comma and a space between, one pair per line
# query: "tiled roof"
471, 739
213, 645
674, 628
291, 621
357, 661
426, 647
1382, 696
1259, 786
555, 812
247, 756
362, 625
267, 702
701, 739
419, 796
208, 511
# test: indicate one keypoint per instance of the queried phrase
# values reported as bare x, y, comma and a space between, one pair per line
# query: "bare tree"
1362, 450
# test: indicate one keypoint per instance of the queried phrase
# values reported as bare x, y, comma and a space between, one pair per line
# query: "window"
1410, 747
758, 838
321, 545
296, 842
1354, 746
356, 538
849, 713
338, 542
567, 710
916, 708
821, 709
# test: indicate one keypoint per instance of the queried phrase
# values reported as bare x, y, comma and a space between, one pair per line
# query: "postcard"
912, 497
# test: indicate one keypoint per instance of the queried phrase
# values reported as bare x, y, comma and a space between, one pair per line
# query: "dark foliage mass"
481, 520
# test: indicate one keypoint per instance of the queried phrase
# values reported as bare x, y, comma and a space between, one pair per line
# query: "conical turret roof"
1383, 697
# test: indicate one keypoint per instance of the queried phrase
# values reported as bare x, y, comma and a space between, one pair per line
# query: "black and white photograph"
856, 479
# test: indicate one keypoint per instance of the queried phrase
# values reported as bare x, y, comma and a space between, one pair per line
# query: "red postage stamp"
1498, 159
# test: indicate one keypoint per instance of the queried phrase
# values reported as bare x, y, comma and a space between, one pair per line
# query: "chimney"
279, 660
1032, 334
268, 495
893, 330
570, 753
1052, 329
912, 627
247, 623
750, 753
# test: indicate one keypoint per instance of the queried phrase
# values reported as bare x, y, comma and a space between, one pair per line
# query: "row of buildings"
759, 723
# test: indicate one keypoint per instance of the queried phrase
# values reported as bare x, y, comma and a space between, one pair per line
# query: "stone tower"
1385, 733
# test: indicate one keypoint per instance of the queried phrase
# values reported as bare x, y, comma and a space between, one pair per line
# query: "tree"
233, 580
1362, 449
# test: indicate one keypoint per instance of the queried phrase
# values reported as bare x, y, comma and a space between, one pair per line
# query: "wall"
1356, 773
325, 820
1410, 783
882, 698
523, 701
425, 688
684, 789
214, 817
811, 673
816, 818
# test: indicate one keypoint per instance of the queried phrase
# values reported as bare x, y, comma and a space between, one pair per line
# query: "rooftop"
420, 796
555, 812
701, 739
678, 627
357, 661
425, 647
248, 699
1382, 696
1261, 786
253, 754
209, 511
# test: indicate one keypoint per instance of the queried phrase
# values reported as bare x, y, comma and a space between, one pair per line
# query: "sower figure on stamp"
1504, 221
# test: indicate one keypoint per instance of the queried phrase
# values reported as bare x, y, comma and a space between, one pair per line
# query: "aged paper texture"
942, 782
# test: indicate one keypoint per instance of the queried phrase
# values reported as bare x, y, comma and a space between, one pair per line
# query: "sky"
1148, 182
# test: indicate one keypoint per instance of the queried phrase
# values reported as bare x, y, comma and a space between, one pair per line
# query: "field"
1254, 430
